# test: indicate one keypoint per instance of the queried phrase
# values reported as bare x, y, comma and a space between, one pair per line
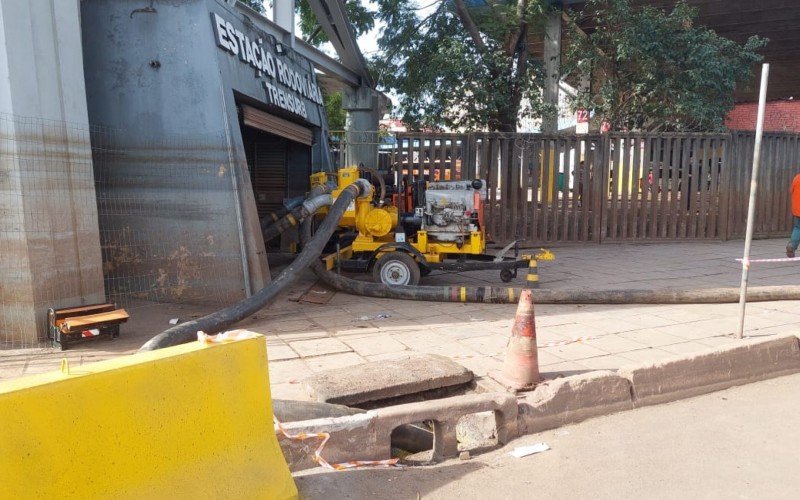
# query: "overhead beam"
327, 64
332, 17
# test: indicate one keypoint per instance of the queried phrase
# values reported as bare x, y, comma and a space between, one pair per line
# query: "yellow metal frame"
433, 251
375, 226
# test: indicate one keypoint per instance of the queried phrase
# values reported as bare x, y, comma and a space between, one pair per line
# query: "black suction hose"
293, 208
221, 320
381, 181
296, 216
506, 295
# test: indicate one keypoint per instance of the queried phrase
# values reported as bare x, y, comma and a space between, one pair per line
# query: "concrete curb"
572, 399
367, 436
712, 370
552, 404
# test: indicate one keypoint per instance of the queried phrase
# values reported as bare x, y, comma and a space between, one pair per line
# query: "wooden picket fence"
612, 187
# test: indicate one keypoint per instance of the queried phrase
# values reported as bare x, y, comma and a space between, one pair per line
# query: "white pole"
751, 208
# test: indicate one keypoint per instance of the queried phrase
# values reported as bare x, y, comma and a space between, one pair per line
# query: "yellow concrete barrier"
192, 421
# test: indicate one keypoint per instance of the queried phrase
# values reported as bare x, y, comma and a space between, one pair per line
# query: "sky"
368, 42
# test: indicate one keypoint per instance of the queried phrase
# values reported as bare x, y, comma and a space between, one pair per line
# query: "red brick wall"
779, 116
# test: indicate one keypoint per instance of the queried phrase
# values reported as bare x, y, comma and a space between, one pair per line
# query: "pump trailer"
442, 230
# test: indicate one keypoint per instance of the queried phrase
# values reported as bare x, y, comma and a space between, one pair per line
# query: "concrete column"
49, 236
283, 15
364, 108
552, 68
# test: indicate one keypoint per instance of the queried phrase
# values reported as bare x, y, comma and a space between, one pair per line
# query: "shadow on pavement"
410, 482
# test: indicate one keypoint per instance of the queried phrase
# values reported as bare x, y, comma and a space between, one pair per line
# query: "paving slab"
381, 380
334, 335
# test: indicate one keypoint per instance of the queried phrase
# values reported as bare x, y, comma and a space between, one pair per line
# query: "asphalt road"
739, 443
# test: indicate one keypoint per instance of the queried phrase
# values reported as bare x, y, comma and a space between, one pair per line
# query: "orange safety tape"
325, 436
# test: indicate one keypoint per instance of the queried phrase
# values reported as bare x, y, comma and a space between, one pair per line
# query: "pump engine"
451, 211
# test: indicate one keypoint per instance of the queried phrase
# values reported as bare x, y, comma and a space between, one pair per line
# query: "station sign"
285, 87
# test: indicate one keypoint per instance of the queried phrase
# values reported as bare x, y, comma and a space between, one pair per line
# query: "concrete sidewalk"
305, 338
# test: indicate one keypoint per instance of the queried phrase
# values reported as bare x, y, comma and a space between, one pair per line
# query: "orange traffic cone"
521, 366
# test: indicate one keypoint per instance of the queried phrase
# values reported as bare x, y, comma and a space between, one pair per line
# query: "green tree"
654, 70
256, 5
337, 116
459, 63
362, 19
465, 64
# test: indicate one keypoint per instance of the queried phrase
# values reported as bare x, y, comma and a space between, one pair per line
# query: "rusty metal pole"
751, 208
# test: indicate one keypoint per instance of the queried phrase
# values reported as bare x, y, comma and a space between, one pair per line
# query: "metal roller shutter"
267, 160
256, 118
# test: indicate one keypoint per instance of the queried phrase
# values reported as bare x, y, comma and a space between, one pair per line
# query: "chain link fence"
88, 214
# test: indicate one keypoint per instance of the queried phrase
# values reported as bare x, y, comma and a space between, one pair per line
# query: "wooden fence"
612, 187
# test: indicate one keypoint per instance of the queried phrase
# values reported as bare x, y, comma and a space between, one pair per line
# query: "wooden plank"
786, 183
708, 212
771, 186
74, 322
558, 150
695, 166
82, 310
564, 195
525, 205
513, 188
578, 145
494, 175
317, 294
636, 191
624, 184
782, 191
456, 160
677, 185
789, 162
724, 189
686, 188
735, 162
763, 208
679, 175
646, 197
613, 197
705, 168
447, 158
601, 191
424, 157
472, 159
536, 186
655, 194
437, 144
461, 149
546, 189
666, 172
490, 149
410, 173
503, 183
585, 188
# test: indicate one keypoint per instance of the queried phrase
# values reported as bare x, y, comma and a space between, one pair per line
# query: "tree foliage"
464, 63
362, 19
337, 116
657, 71
256, 5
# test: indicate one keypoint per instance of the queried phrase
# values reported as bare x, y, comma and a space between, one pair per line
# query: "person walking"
794, 240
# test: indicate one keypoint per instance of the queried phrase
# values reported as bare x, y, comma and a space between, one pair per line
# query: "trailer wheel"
396, 268
506, 275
